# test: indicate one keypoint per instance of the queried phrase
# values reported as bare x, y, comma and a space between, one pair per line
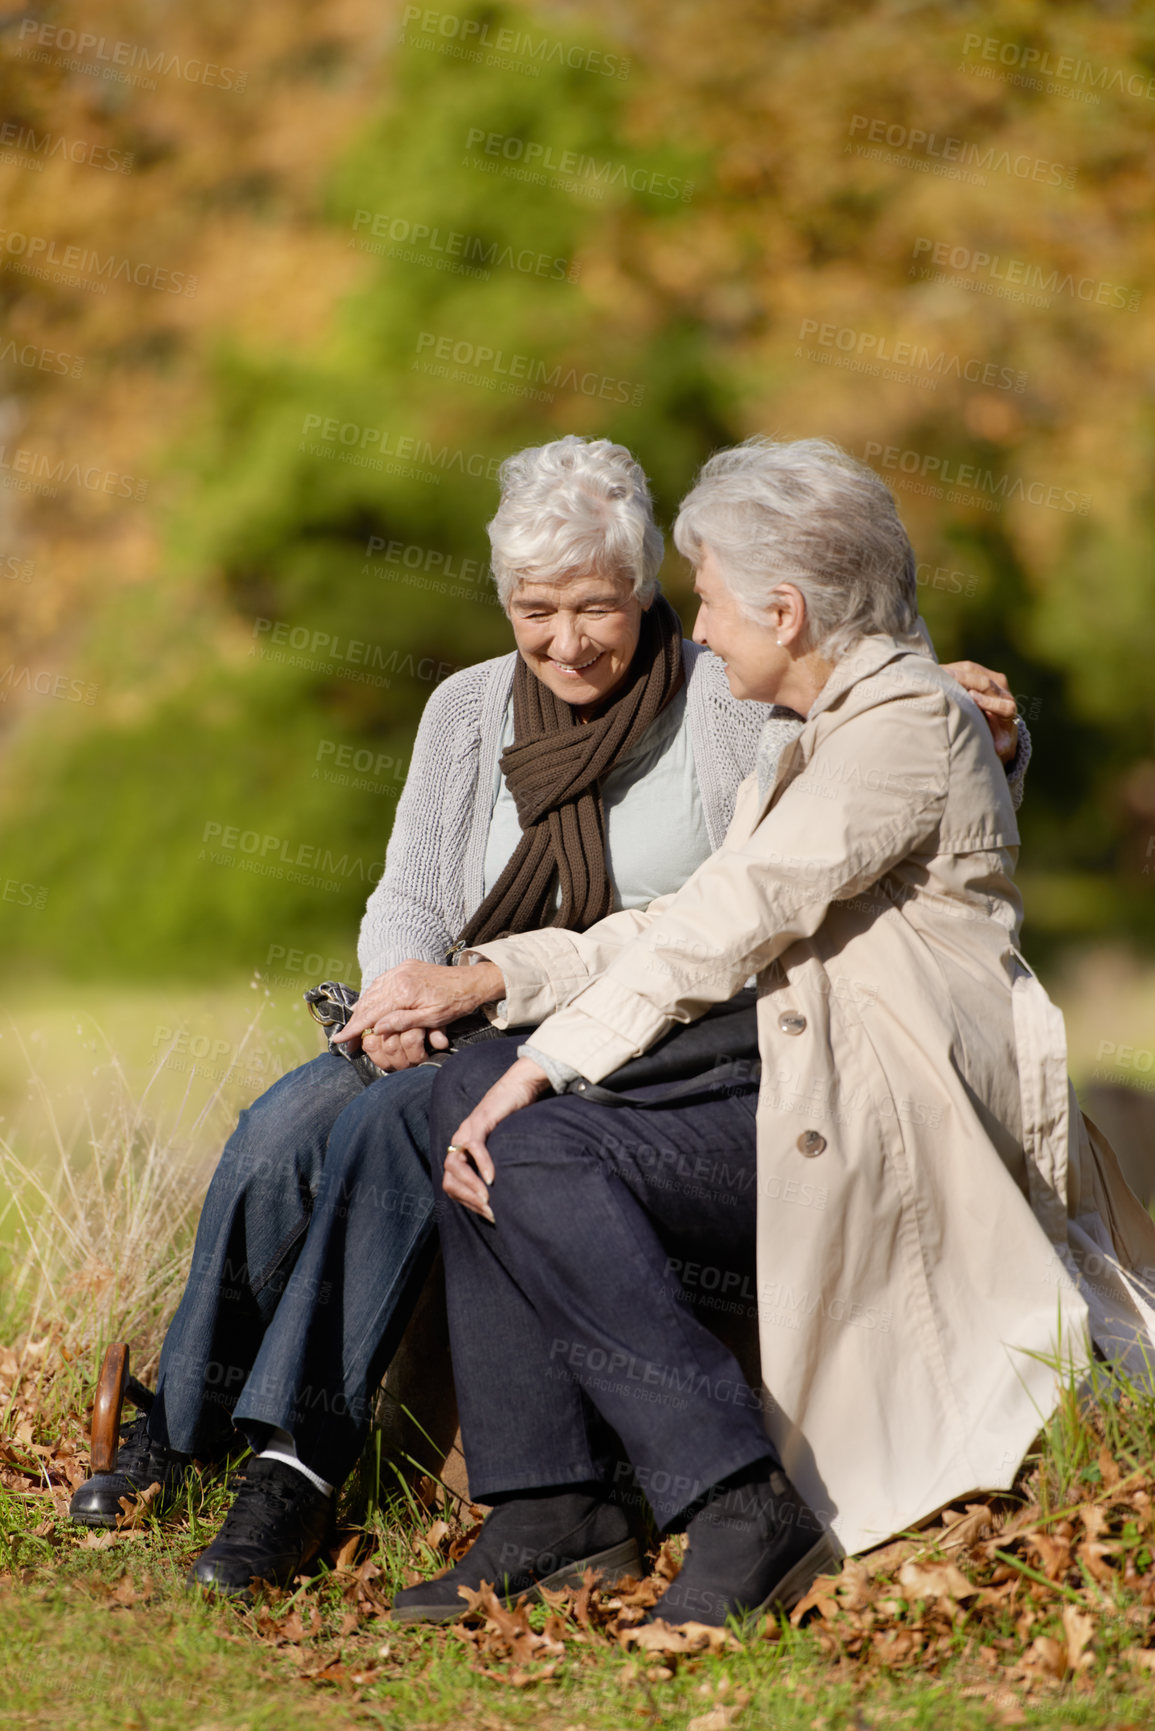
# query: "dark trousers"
312, 1247
571, 1310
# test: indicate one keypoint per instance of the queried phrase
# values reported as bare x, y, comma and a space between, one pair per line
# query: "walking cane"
113, 1386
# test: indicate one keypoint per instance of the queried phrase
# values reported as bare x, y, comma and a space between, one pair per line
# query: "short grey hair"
574, 508
804, 512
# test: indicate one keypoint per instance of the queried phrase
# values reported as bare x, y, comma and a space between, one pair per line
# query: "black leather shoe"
530, 1542
140, 1462
753, 1544
274, 1529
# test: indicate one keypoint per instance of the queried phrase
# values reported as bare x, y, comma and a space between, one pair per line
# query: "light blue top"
645, 789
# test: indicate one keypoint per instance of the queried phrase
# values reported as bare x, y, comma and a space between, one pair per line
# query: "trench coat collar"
865, 658
868, 656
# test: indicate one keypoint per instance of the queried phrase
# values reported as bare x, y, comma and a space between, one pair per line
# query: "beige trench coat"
937, 1226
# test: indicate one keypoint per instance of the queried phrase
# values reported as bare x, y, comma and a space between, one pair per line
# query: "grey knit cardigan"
434, 867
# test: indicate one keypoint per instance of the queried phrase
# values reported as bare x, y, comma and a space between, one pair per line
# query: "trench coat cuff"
561, 1076
603, 1032
542, 971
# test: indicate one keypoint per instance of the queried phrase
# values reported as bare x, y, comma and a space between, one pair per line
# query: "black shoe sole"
797, 1581
794, 1584
95, 1520
612, 1565
109, 1517
249, 1589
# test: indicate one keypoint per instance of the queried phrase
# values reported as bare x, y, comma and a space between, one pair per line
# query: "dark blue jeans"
314, 1240
575, 1303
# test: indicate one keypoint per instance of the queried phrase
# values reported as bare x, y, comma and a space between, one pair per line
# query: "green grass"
100, 1631
109, 1637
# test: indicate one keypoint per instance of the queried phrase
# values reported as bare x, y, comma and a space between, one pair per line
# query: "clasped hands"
391, 1021
394, 1014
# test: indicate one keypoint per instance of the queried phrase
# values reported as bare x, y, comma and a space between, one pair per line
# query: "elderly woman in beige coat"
927, 1194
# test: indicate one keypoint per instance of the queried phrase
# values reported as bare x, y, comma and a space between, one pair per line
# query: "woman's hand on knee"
469, 1170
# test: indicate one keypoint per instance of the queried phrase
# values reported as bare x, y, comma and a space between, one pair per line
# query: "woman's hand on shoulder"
993, 695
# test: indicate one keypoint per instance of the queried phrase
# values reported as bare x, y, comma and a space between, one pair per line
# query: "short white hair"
574, 508
807, 513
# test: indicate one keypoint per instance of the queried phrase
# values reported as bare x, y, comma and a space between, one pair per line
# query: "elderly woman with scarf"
908, 1203
592, 769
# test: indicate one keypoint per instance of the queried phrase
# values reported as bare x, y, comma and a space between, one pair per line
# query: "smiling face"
578, 636
755, 662
766, 660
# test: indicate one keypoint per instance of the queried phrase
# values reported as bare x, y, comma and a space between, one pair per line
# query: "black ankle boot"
274, 1529
539, 1539
140, 1462
754, 1543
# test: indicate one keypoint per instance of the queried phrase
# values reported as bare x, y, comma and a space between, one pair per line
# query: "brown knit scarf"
553, 769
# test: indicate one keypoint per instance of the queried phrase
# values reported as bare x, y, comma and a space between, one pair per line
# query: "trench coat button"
792, 1022
810, 1143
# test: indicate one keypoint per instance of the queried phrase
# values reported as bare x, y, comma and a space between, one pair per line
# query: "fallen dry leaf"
1078, 1628
662, 1637
347, 1551
1046, 1657
717, 1719
967, 1529
934, 1581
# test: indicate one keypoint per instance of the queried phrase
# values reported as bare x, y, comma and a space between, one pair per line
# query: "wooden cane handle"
106, 1407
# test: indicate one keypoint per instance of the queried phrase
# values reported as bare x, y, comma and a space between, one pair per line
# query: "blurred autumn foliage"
330, 263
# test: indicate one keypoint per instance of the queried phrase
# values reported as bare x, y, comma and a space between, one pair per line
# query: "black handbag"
694, 1060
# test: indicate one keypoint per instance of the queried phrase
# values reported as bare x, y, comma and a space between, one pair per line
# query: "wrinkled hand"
400, 1006
993, 695
469, 1171
398, 1051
